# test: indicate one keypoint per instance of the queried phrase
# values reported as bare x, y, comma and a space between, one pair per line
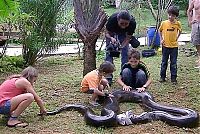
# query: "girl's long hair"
27, 73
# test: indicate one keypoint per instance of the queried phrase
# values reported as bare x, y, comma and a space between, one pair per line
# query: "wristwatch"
145, 86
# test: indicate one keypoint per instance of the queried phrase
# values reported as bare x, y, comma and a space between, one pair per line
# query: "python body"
110, 113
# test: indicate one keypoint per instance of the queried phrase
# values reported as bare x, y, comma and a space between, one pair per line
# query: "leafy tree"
181, 3
9, 12
8, 8
39, 34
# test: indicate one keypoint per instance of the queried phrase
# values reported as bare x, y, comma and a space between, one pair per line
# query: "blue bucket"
150, 35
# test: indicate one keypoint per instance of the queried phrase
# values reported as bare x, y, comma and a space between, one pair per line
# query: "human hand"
122, 45
142, 89
42, 112
189, 24
108, 86
162, 42
113, 40
126, 88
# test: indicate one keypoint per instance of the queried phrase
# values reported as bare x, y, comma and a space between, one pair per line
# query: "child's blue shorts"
5, 109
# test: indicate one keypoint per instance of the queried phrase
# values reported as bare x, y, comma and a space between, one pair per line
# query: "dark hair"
106, 67
124, 15
173, 10
134, 53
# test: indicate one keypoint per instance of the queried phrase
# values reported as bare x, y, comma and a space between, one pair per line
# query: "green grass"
59, 82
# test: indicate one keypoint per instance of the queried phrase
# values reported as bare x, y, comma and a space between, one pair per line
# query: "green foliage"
66, 13
58, 84
39, 31
11, 64
129, 4
70, 38
100, 55
181, 3
58, 61
8, 8
106, 3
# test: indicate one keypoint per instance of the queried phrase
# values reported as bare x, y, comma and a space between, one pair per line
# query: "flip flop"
19, 124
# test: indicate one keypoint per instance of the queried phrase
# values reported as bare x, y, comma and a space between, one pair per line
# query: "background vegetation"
60, 76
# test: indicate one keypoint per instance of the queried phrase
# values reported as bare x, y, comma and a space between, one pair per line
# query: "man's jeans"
173, 54
127, 78
124, 53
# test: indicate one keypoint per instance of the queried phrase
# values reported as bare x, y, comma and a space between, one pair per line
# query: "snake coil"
110, 113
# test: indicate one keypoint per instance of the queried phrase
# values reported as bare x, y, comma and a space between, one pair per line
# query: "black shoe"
162, 80
174, 81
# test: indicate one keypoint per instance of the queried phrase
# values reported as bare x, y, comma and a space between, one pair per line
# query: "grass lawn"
59, 81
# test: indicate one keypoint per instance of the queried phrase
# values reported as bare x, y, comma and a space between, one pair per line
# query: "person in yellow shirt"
95, 82
170, 31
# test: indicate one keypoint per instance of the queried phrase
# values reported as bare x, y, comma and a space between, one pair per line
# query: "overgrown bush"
11, 64
181, 3
39, 32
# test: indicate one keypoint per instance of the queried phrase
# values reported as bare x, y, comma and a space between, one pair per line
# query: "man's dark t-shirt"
112, 25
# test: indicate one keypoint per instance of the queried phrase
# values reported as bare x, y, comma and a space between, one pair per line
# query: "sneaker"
162, 80
174, 81
197, 67
197, 64
94, 103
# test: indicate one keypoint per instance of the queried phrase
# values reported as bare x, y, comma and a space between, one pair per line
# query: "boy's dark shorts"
90, 91
5, 109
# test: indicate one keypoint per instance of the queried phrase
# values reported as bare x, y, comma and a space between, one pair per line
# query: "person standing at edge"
193, 14
170, 31
119, 29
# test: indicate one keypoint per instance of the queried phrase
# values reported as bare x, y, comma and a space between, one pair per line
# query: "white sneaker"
198, 67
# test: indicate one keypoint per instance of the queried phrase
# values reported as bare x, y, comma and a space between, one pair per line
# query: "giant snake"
110, 113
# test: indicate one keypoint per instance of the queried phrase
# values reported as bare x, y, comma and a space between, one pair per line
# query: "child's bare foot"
110, 95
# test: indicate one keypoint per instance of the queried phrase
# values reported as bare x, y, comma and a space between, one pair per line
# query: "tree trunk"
89, 19
89, 57
152, 10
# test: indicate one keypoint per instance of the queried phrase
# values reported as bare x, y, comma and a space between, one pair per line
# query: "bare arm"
161, 38
24, 83
145, 86
126, 40
189, 12
124, 86
108, 35
149, 81
179, 33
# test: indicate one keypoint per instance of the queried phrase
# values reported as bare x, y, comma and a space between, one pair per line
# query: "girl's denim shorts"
5, 109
